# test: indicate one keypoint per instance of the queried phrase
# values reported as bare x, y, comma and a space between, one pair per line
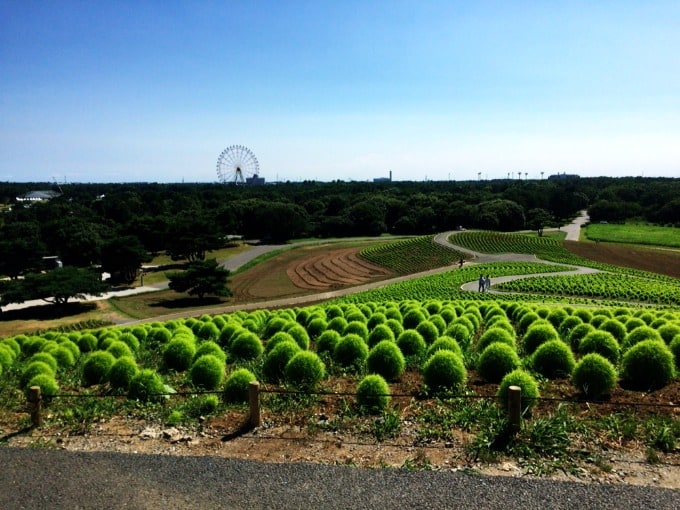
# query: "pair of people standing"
484, 283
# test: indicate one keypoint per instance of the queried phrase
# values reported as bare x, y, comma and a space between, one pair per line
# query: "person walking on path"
487, 283
482, 283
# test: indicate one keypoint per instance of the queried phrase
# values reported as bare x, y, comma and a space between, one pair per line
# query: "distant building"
383, 179
255, 180
38, 196
564, 176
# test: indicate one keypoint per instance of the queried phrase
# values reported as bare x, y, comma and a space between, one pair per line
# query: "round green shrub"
316, 326
64, 357
598, 320
495, 335
274, 325
351, 352
7, 356
379, 333
47, 384
460, 333
337, 324
130, 340
355, 315
648, 365
212, 348
444, 371
553, 359
375, 319
45, 357
601, 342
584, 314
614, 327
122, 372
96, 367
32, 345
538, 334
208, 331
428, 331
373, 394
282, 336
35, 368
577, 334
395, 326
411, 343
178, 353
567, 326
140, 332
501, 323
356, 328
387, 360
246, 346
237, 385
229, 331
669, 331
526, 382
158, 335
439, 323
147, 386
634, 322
201, 405
594, 376
444, 343
640, 334
300, 335
527, 320
497, 360
675, 349
556, 317
207, 372
276, 360
119, 349
327, 341
412, 318
305, 370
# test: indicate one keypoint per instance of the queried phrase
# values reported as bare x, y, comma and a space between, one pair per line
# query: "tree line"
117, 227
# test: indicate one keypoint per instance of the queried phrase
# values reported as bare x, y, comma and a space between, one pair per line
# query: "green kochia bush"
119, 349
35, 368
207, 372
45, 357
300, 335
601, 342
276, 360
327, 341
428, 331
493, 335
379, 333
356, 328
147, 386
237, 385
411, 343
351, 352
640, 334
122, 372
648, 365
47, 384
96, 367
577, 334
538, 334
387, 360
373, 394
305, 370
594, 376
444, 371
553, 359
444, 343
675, 349
210, 347
179, 353
526, 382
497, 360
246, 346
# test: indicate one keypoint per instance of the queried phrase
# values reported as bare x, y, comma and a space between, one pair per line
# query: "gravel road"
53, 479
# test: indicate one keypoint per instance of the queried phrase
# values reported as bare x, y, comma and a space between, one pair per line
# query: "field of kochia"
627, 318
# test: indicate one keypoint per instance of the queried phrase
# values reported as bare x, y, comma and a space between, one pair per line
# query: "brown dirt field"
666, 262
304, 271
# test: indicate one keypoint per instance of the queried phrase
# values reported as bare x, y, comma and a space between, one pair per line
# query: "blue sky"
119, 91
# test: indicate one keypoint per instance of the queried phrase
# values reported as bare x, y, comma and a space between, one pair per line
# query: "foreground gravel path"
53, 479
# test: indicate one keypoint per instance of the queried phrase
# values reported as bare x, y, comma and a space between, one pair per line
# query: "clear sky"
118, 91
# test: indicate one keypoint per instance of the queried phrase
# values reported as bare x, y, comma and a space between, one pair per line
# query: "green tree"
21, 249
191, 235
56, 286
122, 257
538, 219
201, 277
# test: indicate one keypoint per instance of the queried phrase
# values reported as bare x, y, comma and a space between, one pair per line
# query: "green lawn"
634, 234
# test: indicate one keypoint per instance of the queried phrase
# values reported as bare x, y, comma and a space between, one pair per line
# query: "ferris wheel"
235, 164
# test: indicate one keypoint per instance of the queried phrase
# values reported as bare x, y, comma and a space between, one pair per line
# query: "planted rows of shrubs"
411, 255
506, 343
602, 286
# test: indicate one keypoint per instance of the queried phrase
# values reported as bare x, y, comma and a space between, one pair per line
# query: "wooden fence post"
515, 408
35, 402
254, 402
